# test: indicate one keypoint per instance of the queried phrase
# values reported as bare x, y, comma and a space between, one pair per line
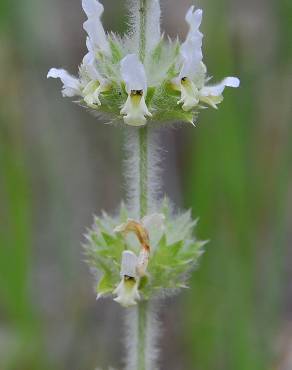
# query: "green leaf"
143, 282
105, 284
150, 94
156, 54
117, 54
109, 239
175, 248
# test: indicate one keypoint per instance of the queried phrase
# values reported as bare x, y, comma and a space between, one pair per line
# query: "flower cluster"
169, 83
139, 259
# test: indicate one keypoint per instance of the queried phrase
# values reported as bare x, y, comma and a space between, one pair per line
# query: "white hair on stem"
141, 170
154, 169
151, 334
131, 327
132, 170
151, 28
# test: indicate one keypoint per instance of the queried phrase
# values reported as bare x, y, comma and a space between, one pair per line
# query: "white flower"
192, 76
132, 267
212, 95
127, 290
133, 74
97, 83
153, 222
129, 264
96, 42
97, 39
191, 49
71, 85
132, 226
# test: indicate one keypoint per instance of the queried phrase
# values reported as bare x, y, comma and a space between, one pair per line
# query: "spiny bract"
143, 76
174, 252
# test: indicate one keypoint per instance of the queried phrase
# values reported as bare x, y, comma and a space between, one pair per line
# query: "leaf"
105, 284
156, 54
109, 239
175, 248
117, 54
143, 282
150, 94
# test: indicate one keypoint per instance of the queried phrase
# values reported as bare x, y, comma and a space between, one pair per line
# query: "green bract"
174, 252
161, 98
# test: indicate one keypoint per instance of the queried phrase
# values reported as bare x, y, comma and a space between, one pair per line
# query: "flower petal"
135, 109
191, 49
133, 73
192, 56
212, 95
96, 84
218, 89
92, 8
127, 292
129, 264
189, 94
91, 93
71, 84
90, 66
143, 261
194, 19
93, 26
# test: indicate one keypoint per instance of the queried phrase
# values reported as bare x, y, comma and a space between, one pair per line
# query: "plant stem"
142, 35
142, 310
143, 184
141, 321
143, 170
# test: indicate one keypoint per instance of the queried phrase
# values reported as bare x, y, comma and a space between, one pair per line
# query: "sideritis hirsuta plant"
141, 81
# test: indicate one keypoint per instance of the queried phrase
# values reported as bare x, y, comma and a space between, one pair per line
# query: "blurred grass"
238, 178
236, 175
21, 344
20, 341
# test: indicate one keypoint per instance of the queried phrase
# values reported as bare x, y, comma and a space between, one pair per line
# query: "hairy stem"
143, 170
143, 184
141, 345
141, 320
143, 22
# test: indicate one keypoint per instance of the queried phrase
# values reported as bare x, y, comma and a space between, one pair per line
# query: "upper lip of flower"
133, 74
127, 290
191, 49
97, 39
193, 70
132, 267
71, 84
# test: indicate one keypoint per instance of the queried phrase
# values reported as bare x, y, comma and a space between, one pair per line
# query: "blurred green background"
59, 165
